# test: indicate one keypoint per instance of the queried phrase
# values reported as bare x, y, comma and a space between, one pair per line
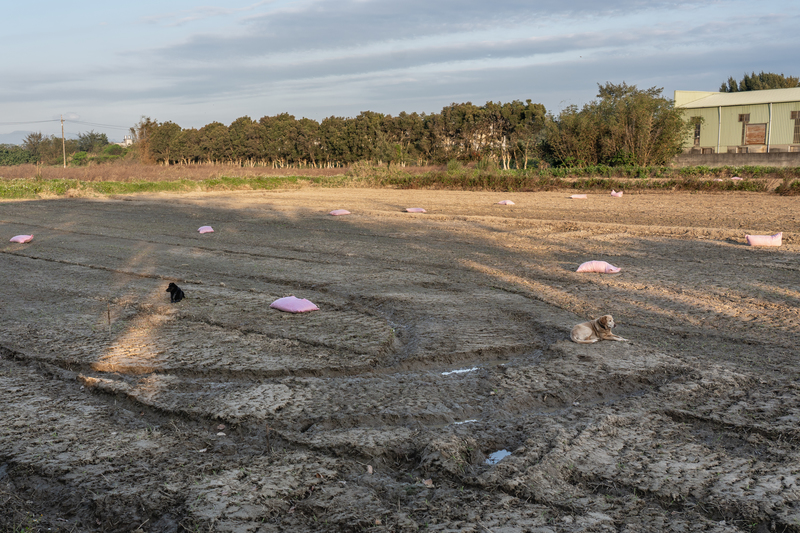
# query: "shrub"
79, 158
454, 165
11, 154
486, 165
113, 149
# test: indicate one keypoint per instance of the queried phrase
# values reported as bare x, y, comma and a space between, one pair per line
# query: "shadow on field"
428, 275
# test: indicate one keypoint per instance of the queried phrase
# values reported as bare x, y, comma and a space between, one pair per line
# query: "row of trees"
624, 125
507, 133
49, 150
759, 82
12, 154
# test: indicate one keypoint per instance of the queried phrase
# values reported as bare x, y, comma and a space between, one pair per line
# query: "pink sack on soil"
415, 210
339, 212
737, 178
290, 304
206, 229
21, 238
616, 194
505, 202
598, 266
578, 197
764, 240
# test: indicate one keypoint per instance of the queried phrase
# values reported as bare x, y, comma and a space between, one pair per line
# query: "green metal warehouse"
742, 122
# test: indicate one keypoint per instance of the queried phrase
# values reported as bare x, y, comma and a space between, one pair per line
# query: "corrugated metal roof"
746, 98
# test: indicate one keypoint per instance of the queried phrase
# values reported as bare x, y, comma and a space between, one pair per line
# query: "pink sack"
737, 178
415, 210
339, 212
206, 229
598, 266
290, 304
764, 240
505, 202
616, 194
578, 197
21, 238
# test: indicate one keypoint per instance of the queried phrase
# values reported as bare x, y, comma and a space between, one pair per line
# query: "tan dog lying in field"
595, 330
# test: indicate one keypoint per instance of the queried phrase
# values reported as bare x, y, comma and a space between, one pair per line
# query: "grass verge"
753, 179
34, 188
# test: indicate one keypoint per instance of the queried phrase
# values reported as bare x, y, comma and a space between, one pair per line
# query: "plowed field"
442, 338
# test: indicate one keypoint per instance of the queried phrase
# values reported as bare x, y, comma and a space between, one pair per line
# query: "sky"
105, 65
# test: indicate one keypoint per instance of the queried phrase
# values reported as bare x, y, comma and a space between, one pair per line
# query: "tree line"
505, 132
759, 82
49, 150
624, 125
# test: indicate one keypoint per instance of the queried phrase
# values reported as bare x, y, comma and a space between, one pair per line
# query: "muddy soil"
442, 338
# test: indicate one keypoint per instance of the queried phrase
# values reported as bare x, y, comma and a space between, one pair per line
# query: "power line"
99, 125
29, 122
126, 128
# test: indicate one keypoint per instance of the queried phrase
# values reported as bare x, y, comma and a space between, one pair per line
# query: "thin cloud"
182, 18
343, 24
343, 62
243, 77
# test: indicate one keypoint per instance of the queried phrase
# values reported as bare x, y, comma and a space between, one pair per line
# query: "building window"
796, 118
697, 130
744, 119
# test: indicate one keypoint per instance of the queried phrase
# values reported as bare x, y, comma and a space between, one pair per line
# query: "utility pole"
63, 144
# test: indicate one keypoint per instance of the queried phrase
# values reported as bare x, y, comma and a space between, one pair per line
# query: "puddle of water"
497, 456
460, 371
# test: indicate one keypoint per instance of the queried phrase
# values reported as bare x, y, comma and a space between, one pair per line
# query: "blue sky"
104, 65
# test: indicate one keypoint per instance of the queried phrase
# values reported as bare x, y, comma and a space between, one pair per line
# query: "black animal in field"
175, 293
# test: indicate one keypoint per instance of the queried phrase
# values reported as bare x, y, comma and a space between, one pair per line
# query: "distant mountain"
15, 137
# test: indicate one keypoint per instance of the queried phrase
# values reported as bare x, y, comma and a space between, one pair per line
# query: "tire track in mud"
388, 408
98, 487
645, 455
737, 487
319, 403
